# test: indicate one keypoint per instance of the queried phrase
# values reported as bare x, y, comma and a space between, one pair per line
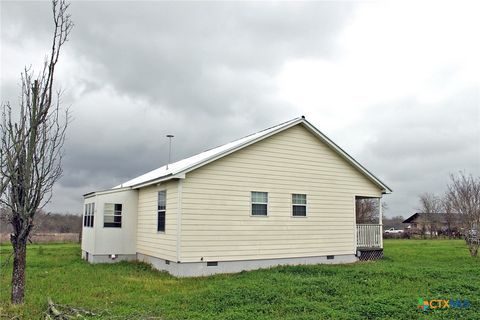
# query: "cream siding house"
285, 195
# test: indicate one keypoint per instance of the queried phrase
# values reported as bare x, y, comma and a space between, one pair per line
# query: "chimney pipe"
169, 136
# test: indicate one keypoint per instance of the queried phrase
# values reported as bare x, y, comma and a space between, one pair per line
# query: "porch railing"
369, 236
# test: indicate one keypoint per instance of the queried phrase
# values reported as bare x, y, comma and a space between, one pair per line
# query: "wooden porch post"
355, 228
380, 221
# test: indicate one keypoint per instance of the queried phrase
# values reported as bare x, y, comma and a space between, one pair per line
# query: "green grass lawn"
387, 289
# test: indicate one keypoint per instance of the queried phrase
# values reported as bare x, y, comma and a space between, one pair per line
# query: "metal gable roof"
180, 168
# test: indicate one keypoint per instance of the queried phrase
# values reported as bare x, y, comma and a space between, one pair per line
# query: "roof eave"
167, 177
99, 192
385, 189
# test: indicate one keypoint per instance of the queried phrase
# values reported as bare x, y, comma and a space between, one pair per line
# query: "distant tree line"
47, 222
393, 222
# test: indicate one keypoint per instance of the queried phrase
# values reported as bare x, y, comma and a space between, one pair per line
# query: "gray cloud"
425, 144
206, 72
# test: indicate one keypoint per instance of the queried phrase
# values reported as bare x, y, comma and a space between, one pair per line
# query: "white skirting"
106, 258
195, 269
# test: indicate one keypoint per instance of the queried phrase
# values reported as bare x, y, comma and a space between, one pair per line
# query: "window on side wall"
89, 215
299, 205
112, 215
85, 215
259, 203
161, 210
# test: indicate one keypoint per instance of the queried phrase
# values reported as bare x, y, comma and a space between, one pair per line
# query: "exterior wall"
88, 233
116, 240
216, 210
101, 241
149, 241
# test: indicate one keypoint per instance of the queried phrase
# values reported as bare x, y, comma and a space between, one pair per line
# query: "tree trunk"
18, 274
473, 246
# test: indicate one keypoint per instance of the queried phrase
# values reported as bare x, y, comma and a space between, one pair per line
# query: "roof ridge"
248, 135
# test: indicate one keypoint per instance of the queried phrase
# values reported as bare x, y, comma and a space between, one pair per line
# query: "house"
417, 223
284, 195
433, 224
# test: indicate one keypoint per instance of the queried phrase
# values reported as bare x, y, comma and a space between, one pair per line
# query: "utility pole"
169, 136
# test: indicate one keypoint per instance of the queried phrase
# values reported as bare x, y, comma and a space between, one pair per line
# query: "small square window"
112, 215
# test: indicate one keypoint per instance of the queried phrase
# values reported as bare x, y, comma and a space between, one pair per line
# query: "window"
259, 203
112, 215
88, 215
161, 210
299, 205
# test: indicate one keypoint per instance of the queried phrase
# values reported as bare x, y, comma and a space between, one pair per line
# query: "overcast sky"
396, 84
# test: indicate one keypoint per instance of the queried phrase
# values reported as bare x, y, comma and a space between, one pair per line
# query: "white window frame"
255, 202
89, 214
85, 215
300, 205
113, 215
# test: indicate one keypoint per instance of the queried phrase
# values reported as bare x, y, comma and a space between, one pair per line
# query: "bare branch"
463, 197
32, 147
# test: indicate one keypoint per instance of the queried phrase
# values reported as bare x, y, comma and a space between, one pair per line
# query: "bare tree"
450, 217
463, 196
430, 208
367, 211
32, 148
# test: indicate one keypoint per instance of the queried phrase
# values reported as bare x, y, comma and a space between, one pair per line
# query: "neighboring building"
284, 195
431, 224
416, 225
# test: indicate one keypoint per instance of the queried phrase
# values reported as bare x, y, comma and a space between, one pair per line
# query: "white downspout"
179, 218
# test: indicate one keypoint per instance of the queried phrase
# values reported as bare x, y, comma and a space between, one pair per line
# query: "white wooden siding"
116, 240
88, 233
216, 208
149, 241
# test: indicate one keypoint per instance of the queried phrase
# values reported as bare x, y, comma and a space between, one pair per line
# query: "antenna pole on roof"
169, 136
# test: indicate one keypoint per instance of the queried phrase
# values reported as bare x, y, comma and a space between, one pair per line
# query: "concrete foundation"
106, 258
195, 269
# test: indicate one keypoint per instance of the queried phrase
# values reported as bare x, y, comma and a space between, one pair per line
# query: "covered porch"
369, 236
369, 229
